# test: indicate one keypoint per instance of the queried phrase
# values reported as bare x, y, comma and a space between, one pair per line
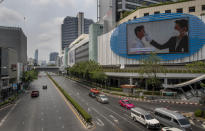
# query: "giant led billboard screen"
165, 36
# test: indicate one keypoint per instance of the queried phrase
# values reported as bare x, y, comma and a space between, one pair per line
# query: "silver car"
102, 98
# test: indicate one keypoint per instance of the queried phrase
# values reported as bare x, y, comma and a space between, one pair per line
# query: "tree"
28, 77
88, 70
150, 66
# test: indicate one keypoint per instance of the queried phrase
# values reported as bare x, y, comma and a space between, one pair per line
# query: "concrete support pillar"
146, 85
165, 81
118, 82
131, 81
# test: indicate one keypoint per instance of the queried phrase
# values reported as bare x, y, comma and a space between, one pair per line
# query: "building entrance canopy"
195, 80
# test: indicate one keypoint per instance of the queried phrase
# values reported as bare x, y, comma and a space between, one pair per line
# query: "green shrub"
198, 113
115, 89
106, 91
119, 94
150, 93
84, 114
11, 99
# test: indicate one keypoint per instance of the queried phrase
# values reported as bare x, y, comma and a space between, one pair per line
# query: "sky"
41, 20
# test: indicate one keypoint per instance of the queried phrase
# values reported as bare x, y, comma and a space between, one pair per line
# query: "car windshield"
127, 102
183, 122
148, 117
103, 97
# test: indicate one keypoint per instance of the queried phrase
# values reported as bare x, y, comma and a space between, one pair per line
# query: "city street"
48, 112
112, 116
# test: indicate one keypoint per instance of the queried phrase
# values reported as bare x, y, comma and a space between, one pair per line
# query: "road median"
87, 119
8, 101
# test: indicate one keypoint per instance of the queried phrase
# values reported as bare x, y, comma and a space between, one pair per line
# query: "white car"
170, 129
145, 118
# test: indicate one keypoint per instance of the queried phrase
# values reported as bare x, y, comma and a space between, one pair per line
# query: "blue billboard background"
118, 41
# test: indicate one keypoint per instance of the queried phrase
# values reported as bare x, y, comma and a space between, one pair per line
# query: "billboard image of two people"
165, 36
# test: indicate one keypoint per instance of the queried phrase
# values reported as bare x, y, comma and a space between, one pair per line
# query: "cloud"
52, 23
8, 16
49, 39
40, 2
62, 3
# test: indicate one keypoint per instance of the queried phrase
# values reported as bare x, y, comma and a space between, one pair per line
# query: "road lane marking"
121, 108
59, 117
123, 118
99, 122
113, 124
78, 93
23, 123
68, 104
63, 126
114, 119
127, 116
4, 119
89, 110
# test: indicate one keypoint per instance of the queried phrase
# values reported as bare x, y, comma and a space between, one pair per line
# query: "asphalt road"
111, 117
48, 112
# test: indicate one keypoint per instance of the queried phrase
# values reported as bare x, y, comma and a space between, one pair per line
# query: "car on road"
94, 90
172, 118
35, 93
93, 95
44, 87
170, 129
145, 118
102, 98
126, 104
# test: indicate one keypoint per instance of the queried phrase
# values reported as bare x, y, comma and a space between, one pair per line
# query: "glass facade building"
73, 27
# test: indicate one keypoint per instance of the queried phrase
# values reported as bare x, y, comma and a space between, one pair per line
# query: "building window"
146, 14
192, 9
119, 6
129, 6
179, 10
167, 11
134, 17
156, 12
203, 7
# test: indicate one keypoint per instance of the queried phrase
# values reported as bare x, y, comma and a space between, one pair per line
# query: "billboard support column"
131, 81
165, 81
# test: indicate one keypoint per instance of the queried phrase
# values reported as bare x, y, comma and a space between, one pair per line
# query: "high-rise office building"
53, 56
14, 38
73, 27
36, 57
111, 11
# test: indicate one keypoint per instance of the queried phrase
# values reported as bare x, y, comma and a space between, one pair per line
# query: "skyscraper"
53, 56
73, 27
36, 57
111, 11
